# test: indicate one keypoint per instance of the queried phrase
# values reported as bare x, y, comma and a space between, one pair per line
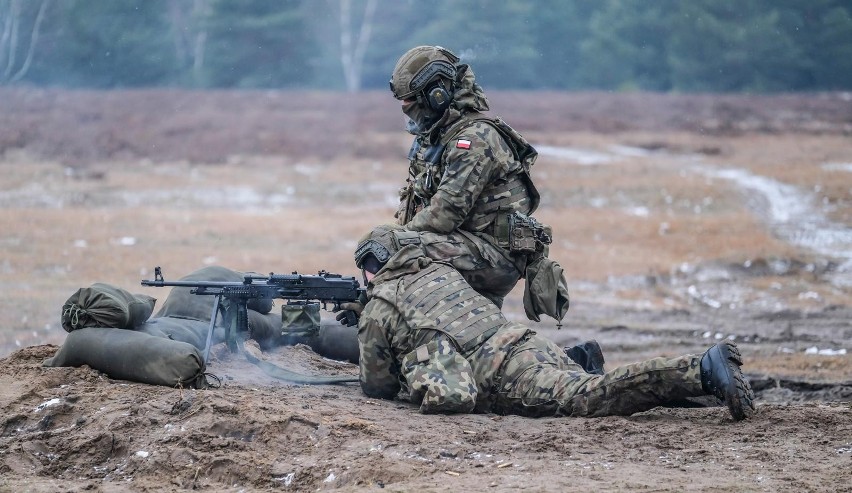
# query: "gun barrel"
323, 287
192, 284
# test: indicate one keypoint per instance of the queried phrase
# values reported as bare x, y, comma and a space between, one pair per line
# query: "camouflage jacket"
469, 166
425, 332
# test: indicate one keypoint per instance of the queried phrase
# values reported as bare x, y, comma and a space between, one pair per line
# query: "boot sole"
740, 399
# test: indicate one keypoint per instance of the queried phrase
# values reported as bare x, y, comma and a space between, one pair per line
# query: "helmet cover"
383, 242
420, 66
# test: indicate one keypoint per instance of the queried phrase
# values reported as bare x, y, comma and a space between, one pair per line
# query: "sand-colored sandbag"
134, 356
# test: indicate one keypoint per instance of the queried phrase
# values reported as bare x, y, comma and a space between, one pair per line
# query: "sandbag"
266, 329
302, 324
336, 341
134, 356
181, 329
105, 305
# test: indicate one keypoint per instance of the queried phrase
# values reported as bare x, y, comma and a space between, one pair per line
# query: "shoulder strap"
457, 127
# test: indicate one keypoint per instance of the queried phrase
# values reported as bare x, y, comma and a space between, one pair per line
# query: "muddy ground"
680, 220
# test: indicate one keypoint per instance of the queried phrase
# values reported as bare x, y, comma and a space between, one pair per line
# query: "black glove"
349, 313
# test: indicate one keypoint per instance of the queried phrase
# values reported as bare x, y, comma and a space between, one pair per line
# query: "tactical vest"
516, 193
438, 298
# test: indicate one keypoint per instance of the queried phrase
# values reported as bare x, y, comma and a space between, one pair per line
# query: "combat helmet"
380, 244
425, 73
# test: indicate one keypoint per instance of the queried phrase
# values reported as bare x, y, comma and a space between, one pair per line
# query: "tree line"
656, 45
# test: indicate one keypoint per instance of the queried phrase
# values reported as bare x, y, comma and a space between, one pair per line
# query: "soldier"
469, 185
426, 332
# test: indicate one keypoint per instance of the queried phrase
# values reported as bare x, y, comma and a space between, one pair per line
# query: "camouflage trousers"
490, 270
538, 379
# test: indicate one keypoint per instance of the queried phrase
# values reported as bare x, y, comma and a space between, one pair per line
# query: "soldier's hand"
349, 313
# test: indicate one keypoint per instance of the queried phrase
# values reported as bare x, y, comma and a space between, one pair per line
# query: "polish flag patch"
463, 144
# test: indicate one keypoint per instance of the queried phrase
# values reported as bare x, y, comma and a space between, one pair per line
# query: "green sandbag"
134, 356
336, 341
180, 329
302, 324
264, 328
105, 305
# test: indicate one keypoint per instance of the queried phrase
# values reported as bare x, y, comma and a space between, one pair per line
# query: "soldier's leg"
537, 383
533, 376
633, 388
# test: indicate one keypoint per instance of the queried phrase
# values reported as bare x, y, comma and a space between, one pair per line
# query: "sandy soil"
680, 220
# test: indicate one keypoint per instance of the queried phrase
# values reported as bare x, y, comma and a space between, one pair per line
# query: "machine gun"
325, 288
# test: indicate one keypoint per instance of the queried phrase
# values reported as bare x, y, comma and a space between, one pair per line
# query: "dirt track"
680, 220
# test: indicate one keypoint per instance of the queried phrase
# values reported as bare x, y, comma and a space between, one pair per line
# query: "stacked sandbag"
110, 332
336, 341
186, 330
104, 305
135, 356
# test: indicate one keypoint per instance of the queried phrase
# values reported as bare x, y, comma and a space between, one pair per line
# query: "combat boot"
721, 377
588, 355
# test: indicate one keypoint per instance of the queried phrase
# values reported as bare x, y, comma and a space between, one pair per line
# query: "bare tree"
352, 54
9, 39
189, 34
180, 30
33, 42
200, 11
10, 17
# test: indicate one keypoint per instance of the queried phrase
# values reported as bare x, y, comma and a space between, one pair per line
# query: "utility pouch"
300, 319
520, 233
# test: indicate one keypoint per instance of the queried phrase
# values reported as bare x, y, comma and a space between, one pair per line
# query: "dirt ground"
680, 220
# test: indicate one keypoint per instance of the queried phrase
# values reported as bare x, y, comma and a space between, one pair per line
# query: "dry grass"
322, 174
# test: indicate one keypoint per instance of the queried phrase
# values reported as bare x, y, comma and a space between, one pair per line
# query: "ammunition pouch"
300, 319
520, 233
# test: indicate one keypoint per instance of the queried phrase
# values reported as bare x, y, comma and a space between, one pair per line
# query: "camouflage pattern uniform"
463, 170
427, 333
